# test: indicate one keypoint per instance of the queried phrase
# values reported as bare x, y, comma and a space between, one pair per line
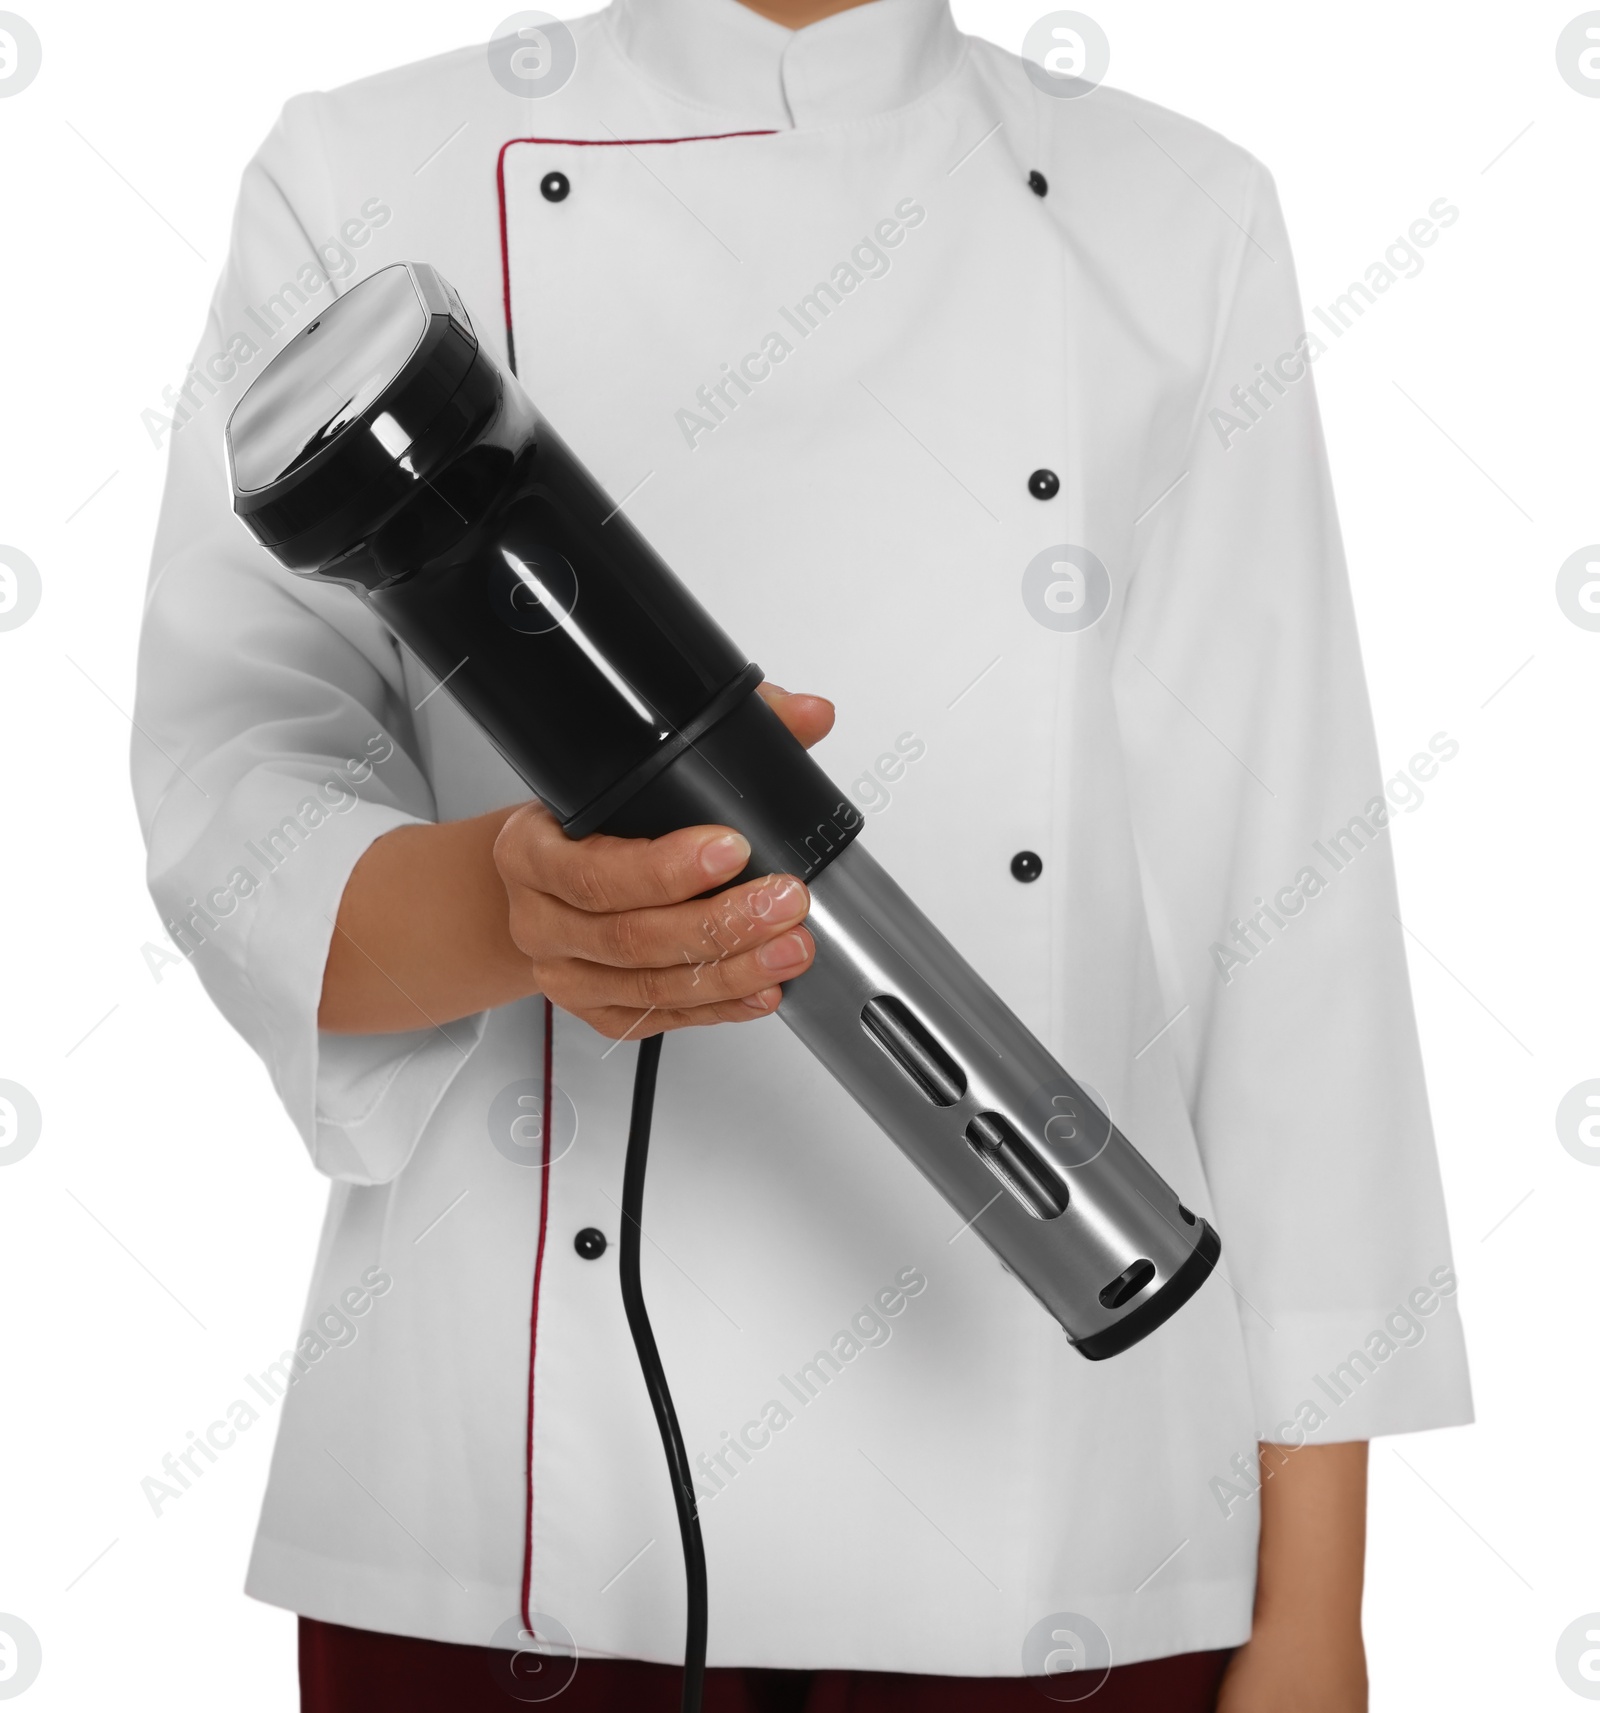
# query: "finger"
809, 718
701, 931
580, 986
601, 873
624, 1023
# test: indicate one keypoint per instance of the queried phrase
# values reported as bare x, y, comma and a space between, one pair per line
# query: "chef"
980, 407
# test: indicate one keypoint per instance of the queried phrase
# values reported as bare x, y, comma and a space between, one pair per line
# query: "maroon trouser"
360, 1671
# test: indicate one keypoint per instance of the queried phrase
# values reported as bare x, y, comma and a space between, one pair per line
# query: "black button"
1038, 183
553, 187
1026, 865
1044, 484
590, 1244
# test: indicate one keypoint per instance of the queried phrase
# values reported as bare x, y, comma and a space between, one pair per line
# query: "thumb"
809, 718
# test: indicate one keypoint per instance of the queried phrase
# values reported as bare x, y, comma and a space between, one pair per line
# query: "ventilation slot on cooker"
911, 1045
1029, 1177
1127, 1284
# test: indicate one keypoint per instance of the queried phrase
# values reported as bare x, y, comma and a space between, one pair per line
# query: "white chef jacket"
903, 1464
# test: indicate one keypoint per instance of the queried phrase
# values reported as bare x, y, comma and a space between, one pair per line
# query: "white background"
156, 1243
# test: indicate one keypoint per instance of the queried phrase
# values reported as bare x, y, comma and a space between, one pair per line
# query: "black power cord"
655, 1379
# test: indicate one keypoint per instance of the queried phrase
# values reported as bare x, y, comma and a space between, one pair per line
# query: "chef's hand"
616, 930
605, 927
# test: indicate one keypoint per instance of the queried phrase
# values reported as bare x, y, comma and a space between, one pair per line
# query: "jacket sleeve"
1264, 836
273, 739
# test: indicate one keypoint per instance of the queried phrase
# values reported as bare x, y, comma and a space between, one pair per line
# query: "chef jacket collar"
719, 55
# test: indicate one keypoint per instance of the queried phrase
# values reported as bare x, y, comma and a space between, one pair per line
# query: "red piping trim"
579, 143
546, 1124
549, 1010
